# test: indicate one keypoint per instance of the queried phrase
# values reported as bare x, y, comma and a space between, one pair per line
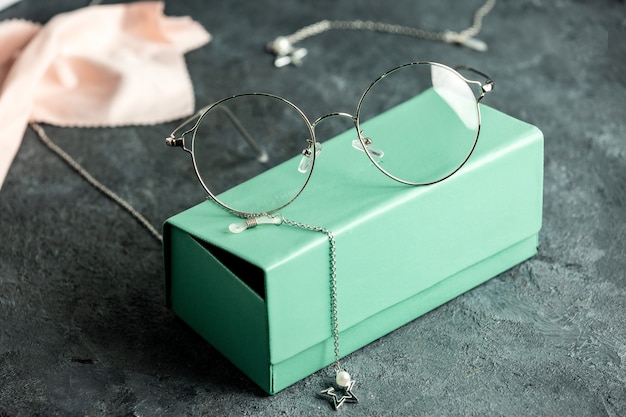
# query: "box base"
313, 359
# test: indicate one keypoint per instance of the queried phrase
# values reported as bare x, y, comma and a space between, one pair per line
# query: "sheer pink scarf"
107, 65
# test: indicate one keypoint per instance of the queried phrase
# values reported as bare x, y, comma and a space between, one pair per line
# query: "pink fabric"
106, 65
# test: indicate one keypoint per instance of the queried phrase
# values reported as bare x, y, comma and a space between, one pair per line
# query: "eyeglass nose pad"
306, 161
372, 150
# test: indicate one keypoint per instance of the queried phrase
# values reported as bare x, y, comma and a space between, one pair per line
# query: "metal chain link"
326, 25
43, 136
479, 15
447, 36
333, 281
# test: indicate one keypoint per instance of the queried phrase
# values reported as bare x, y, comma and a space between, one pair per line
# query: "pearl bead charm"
344, 394
281, 46
343, 379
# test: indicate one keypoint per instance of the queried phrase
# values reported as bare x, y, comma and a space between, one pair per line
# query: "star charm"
338, 401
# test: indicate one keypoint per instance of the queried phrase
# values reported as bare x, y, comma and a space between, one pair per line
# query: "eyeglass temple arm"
172, 140
485, 87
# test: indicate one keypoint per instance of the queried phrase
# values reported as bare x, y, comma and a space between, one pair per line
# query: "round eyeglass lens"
239, 139
422, 120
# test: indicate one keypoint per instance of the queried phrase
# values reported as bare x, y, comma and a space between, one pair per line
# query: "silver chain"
333, 282
326, 25
477, 22
43, 136
286, 52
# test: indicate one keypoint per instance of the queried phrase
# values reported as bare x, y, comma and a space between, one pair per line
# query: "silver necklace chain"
286, 52
43, 136
333, 282
342, 378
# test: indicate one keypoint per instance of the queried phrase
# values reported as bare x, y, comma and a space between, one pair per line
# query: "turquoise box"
262, 297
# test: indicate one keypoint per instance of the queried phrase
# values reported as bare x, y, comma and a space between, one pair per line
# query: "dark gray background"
83, 326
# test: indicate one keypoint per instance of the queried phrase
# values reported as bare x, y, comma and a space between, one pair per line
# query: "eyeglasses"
418, 123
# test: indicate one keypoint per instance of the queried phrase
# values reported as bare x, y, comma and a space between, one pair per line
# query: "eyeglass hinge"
487, 87
172, 141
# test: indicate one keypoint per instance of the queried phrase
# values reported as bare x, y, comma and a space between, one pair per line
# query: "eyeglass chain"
286, 53
283, 47
342, 377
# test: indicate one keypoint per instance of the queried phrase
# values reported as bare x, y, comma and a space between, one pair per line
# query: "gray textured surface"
83, 327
